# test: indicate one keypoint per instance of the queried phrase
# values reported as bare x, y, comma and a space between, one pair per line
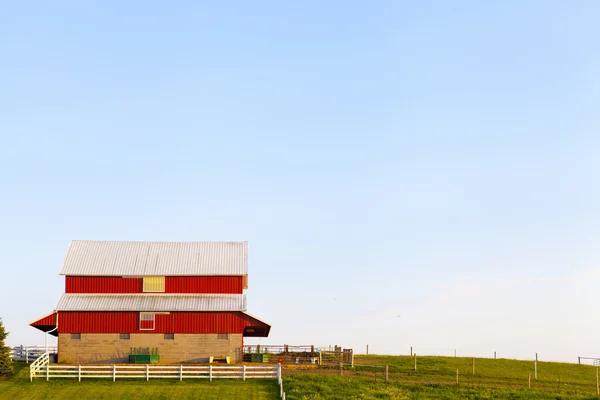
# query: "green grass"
435, 378
19, 387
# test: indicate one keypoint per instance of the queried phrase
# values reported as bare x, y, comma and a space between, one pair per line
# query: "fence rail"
148, 372
30, 353
285, 348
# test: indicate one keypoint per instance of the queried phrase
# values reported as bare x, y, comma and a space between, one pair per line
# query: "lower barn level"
114, 348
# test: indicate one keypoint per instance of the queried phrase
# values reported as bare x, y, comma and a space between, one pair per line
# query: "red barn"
186, 299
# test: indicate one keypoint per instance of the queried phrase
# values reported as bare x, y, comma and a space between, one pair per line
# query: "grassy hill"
19, 387
435, 378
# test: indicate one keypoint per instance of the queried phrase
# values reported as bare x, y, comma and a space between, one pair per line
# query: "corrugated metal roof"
256, 318
89, 257
151, 302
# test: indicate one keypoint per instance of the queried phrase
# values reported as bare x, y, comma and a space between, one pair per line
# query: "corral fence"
285, 349
465, 371
589, 360
30, 353
321, 355
336, 357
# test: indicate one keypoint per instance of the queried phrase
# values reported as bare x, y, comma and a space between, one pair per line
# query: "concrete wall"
108, 348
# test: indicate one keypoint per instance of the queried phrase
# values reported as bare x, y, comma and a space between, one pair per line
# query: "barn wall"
176, 322
173, 284
110, 349
204, 284
102, 284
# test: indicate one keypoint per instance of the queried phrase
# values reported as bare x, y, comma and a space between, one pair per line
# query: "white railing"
38, 365
148, 372
284, 348
280, 382
30, 353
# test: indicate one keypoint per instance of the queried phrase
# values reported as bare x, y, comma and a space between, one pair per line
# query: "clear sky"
417, 174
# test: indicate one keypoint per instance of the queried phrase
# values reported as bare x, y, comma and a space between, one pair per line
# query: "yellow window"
154, 284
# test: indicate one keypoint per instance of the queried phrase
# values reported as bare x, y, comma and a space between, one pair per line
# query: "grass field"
19, 387
435, 378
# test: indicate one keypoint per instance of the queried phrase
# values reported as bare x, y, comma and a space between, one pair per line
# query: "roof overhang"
47, 323
257, 327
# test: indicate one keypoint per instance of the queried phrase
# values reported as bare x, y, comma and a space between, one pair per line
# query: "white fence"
148, 372
30, 353
35, 369
284, 348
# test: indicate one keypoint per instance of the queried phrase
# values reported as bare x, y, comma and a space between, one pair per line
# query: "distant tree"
6, 368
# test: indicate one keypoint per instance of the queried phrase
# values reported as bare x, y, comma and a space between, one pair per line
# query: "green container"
143, 359
260, 357
143, 356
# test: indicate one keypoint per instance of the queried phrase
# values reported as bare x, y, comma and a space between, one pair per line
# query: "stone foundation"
108, 348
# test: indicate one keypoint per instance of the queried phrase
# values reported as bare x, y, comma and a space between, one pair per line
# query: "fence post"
535, 368
387, 370
411, 351
579, 360
456, 375
597, 387
367, 349
494, 355
341, 369
79, 373
26, 356
278, 373
320, 357
243, 372
415, 361
473, 366
210, 373
180, 373
114, 372
147, 372
529, 380
47, 371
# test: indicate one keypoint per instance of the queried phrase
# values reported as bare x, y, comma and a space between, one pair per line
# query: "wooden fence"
148, 372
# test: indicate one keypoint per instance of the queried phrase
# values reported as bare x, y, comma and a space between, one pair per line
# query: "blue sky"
406, 174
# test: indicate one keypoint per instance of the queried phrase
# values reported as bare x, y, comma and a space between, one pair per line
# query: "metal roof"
151, 302
114, 258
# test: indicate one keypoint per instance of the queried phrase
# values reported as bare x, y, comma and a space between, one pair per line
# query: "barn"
187, 299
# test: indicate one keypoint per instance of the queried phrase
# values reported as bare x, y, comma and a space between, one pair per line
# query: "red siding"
177, 322
173, 284
204, 284
47, 320
102, 284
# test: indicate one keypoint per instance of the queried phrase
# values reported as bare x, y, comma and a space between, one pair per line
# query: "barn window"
223, 336
124, 336
146, 321
154, 284
169, 336
76, 336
